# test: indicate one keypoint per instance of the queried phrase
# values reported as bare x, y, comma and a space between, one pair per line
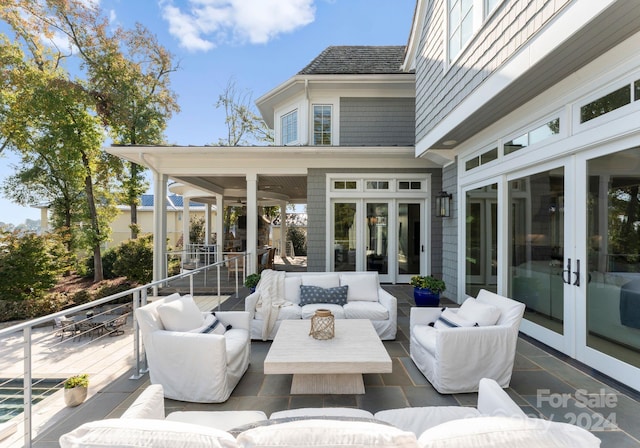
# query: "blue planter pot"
424, 297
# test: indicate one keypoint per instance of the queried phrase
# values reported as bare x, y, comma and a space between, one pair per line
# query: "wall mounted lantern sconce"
443, 204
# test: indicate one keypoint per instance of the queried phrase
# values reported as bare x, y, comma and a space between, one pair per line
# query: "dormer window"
321, 124
289, 126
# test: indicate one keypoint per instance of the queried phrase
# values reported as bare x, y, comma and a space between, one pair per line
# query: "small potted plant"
427, 289
252, 281
75, 389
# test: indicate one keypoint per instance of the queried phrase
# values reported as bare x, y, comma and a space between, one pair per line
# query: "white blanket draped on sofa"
271, 289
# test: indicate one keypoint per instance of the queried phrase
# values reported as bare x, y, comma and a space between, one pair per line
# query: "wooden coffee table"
333, 366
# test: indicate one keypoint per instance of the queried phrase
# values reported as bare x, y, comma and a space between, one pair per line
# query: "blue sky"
258, 43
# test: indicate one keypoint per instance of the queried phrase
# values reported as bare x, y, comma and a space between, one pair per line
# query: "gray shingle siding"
377, 121
450, 234
440, 91
317, 220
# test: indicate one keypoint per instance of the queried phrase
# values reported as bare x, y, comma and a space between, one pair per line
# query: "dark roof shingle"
357, 60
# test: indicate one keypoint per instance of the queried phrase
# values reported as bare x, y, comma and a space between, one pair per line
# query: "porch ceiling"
608, 29
281, 171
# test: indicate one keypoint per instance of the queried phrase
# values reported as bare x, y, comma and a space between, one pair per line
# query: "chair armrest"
149, 404
423, 315
250, 303
237, 319
494, 401
389, 302
476, 349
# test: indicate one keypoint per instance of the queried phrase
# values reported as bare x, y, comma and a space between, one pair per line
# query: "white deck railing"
34, 344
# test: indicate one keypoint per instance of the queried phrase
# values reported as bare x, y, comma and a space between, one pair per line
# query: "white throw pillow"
150, 433
361, 287
506, 432
451, 319
292, 289
181, 314
322, 280
327, 433
211, 325
482, 313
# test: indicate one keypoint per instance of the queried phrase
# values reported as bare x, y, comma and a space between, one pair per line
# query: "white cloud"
203, 24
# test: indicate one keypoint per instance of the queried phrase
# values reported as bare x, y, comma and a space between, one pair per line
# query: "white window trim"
281, 133
559, 114
312, 118
480, 16
334, 102
609, 116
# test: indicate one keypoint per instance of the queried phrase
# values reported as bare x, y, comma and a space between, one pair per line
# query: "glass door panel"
345, 236
536, 231
481, 239
613, 253
410, 240
376, 234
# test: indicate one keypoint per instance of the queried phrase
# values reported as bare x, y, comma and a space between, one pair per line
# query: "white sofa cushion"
181, 314
150, 433
365, 310
322, 412
450, 319
223, 420
361, 287
323, 280
418, 420
308, 311
327, 433
284, 313
292, 289
506, 432
482, 313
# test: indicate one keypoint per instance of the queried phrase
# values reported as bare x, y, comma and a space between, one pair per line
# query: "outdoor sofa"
281, 295
497, 422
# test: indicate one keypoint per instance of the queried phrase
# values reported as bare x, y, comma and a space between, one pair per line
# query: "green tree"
30, 264
244, 125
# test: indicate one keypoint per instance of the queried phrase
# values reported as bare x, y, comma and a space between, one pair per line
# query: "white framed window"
322, 124
464, 18
460, 25
289, 128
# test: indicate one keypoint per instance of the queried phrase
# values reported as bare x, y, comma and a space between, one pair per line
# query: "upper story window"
321, 124
464, 18
289, 126
460, 25
489, 5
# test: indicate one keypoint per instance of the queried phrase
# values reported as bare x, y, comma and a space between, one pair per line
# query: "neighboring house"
120, 230
527, 113
344, 131
533, 108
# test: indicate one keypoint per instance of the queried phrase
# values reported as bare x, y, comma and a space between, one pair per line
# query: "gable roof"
357, 60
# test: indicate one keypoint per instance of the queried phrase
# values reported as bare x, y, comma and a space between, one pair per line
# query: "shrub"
30, 264
299, 240
134, 259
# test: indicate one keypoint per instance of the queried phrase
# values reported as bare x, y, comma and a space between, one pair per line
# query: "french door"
574, 257
385, 235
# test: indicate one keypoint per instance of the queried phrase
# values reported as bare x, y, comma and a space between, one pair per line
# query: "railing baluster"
26, 386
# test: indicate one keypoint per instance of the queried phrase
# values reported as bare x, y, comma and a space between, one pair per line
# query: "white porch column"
159, 226
44, 219
252, 221
220, 225
186, 220
207, 223
283, 228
